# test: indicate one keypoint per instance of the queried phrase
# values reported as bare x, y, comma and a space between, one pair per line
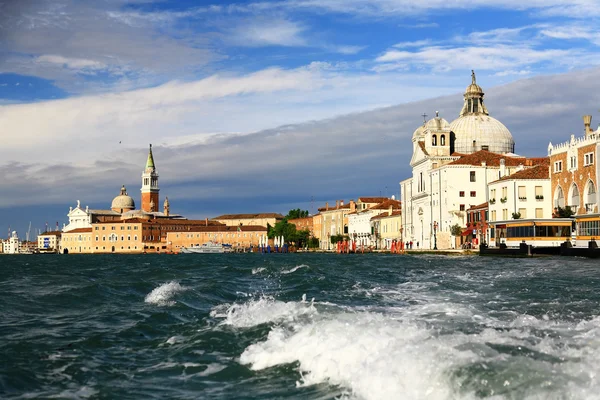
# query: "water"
313, 326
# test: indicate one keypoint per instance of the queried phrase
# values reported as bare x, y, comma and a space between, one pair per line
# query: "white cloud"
71, 63
416, 43
267, 32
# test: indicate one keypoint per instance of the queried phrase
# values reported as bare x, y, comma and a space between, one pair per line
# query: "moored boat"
207, 248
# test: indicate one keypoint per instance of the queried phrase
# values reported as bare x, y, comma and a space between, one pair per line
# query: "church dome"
418, 132
122, 202
437, 124
472, 132
475, 130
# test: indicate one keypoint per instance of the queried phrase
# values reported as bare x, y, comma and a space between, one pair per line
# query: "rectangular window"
493, 215
539, 213
522, 193
505, 214
493, 194
462, 207
472, 176
473, 193
588, 159
539, 193
573, 162
523, 212
461, 193
558, 166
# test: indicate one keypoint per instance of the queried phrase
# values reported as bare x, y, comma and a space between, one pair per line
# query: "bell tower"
149, 185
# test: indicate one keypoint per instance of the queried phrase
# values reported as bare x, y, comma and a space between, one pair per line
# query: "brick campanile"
150, 185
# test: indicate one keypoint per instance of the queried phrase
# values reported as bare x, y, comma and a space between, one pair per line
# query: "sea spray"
163, 294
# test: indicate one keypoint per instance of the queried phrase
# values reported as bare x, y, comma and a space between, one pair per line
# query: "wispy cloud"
267, 32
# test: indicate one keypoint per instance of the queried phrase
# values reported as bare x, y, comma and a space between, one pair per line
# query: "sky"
264, 106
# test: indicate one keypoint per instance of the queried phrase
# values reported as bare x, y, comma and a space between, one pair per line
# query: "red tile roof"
249, 216
79, 230
51, 233
224, 228
376, 200
385, 215
386, 205
331, 208
537, 172
493, 159
479, 206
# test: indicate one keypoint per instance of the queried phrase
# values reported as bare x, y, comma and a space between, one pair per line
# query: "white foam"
296, 268
261, 311
163, 294
258, 270
416, 351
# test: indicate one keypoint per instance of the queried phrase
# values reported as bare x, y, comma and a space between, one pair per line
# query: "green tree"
566, 212
455, 230
297, 213
516, 215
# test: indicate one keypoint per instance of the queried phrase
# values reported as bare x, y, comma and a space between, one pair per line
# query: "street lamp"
435, 226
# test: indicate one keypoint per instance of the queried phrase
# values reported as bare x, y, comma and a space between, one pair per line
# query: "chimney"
390, 209
483, 163
352, 206
502, 168
341, 203
206, 221
326, 206
337, 204
587, 122
520, 167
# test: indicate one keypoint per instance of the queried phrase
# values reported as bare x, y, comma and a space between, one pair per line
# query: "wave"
296, 268
262, 311
415, 352
163, 294
258, 270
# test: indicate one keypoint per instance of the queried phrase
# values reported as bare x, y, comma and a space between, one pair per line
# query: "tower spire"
473, 81
150, 184
474, 99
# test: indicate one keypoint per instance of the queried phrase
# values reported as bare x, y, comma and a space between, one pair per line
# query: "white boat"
208, 247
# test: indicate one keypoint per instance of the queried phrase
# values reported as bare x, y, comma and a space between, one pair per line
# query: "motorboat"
208, 247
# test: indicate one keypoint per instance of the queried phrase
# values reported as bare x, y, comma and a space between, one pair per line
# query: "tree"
566, 212
516, 215
456, 230
297, 213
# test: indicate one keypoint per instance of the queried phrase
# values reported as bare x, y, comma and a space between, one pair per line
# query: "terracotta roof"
537, 172
79, 230
479, 206
224, 228
385, 215
422, 146
165, 222
386, 205
103, 212
249, 216
493, 159
376, 200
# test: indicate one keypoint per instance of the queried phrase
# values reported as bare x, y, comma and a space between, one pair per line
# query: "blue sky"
86, 85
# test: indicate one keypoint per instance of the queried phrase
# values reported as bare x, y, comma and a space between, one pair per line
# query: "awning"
467, 232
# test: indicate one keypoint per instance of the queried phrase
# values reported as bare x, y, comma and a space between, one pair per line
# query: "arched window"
443, 140
590, 197
559, 197
574, 198
434, 140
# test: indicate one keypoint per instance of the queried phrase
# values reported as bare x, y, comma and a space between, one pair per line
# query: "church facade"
452, 164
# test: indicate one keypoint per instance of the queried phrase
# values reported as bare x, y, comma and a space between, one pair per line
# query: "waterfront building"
304, 224
242, 237
387, 227
12, 245
360, 227
334, 221
452, 164
77, 241
317, 223
574, 171
574, 175
49, 241
477, 231
260, 219
523, 194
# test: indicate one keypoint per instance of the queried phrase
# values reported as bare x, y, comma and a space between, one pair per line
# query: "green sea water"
298, 326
